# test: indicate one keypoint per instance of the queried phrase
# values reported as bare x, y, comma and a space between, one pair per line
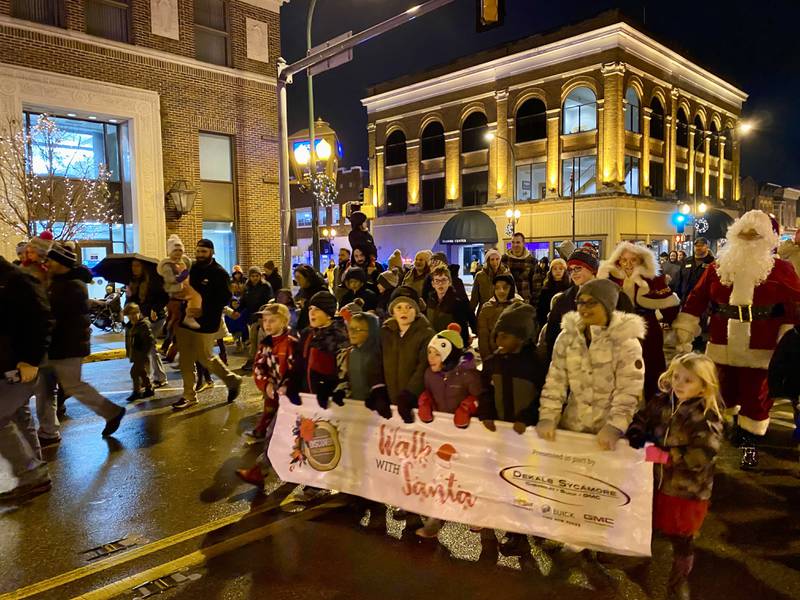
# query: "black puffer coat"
25, 321
69, 302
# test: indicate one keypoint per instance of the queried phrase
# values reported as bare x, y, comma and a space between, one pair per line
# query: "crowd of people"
574, 343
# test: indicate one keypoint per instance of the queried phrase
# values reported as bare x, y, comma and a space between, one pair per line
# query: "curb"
119, 353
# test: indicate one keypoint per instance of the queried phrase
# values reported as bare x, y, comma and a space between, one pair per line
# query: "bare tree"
42, 190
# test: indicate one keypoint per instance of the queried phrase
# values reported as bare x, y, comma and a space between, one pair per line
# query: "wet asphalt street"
165, 485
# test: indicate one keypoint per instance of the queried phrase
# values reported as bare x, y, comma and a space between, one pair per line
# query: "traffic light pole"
285, 74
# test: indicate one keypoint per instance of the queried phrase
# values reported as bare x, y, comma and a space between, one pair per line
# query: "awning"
469, 227
714, 224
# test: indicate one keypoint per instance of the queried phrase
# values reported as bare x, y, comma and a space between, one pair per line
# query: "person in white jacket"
597, 369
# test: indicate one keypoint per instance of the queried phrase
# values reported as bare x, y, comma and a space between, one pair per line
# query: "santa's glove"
464, 412
338, 397
378, 400
683, 340
608, 437
292, 394
546, 429
425, 407
406, 401
324, 391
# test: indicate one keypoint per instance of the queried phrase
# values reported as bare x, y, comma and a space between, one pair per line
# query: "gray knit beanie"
605, 291
518, 319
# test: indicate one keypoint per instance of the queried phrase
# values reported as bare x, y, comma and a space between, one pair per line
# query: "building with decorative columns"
601, 107
163, 92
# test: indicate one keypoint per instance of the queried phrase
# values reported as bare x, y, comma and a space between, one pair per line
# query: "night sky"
753, 45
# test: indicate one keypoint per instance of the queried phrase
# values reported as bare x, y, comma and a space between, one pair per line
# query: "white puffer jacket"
601, 383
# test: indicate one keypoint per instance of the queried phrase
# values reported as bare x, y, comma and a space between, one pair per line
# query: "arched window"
580, 111
531, 121
396, 148
656, 119
632, 120
714, 135
432, 140
699, 135
682, 135
473, 132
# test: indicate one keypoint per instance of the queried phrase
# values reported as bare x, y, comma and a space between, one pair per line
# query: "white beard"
745, 265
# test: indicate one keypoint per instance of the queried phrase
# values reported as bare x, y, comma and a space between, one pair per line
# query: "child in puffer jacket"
685, 424
359, 365
175, 271
452, 385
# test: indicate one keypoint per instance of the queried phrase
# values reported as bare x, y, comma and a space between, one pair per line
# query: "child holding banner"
452, 385
685, 424
512, 379
272, 370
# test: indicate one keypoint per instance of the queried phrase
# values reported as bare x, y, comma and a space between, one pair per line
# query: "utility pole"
285, 75
572, 193
312, 166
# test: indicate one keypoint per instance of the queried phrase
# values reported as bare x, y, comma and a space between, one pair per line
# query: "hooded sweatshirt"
360, 367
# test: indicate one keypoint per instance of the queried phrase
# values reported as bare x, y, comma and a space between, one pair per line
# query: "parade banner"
567, 490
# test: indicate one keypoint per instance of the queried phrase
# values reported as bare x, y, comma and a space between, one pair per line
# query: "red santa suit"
752, 298
652, 299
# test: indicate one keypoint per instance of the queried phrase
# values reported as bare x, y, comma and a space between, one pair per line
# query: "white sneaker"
191, 322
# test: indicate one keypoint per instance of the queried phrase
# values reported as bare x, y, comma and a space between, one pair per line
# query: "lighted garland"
325, 190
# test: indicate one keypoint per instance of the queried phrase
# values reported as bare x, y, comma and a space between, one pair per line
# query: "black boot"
678, 585
749, 448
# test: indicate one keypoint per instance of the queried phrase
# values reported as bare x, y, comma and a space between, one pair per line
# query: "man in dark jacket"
69, 303
693, 268
194, 345
24, 335
272, 277
256, 294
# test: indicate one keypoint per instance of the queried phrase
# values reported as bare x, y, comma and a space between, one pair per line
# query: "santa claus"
752, 298
635, 270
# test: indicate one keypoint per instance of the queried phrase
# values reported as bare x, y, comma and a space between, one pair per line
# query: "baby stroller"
106, 314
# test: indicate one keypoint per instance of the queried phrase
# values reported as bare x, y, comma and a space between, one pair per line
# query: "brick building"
636, 126
171, 90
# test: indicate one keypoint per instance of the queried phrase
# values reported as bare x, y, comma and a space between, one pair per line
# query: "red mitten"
655, 454
425, 407
464, 412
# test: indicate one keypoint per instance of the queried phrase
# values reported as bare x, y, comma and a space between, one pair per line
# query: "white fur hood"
623, 326
647, 270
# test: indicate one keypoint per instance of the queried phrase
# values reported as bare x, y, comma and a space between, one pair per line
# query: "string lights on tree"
41, 189
325, 189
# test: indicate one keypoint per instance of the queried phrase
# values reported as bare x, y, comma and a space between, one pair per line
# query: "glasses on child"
574, 269
440, 281
587, 303
354, 330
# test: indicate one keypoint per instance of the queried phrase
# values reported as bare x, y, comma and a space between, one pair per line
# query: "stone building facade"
598, 106
182, 82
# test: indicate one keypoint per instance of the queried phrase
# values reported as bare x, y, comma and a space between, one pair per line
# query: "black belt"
747, 313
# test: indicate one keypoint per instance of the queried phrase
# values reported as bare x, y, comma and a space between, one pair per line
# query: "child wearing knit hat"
387, 284
175, 271
35, 256
320, 342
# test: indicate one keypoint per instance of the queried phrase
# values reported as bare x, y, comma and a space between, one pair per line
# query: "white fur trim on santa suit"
738, 356
648, 269
658, 303
754, 427
688, 323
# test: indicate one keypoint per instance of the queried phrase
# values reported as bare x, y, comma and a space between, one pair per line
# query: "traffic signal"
679, 220
490, 13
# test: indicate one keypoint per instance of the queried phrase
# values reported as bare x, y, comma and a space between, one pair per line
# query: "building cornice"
619, 35
273, 5
130, 49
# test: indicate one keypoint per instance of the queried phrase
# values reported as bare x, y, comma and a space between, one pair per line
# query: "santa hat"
173, 243
448, 343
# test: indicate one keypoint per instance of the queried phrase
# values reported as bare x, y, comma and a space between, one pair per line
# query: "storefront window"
221, 233
631, 174
585, 169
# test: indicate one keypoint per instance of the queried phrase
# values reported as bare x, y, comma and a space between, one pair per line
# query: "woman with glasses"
634, 269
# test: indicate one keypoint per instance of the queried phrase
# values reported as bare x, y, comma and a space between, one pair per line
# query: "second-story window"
46, 12
108, 18
211, 39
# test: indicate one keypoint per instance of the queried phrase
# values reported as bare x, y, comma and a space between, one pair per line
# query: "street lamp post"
513, 212
312, 171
